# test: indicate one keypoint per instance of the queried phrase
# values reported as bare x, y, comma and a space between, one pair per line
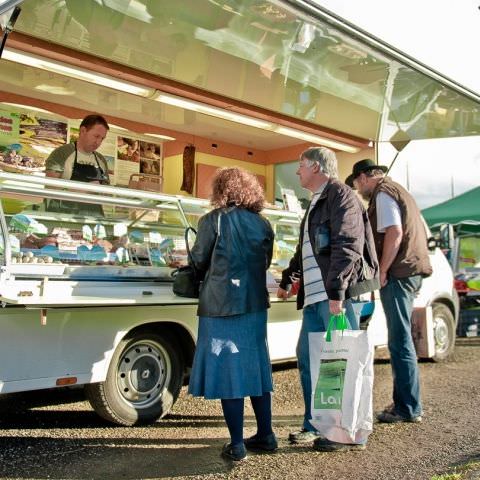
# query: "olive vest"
412, 257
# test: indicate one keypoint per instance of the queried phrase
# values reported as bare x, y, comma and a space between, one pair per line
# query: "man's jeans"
315, 319
397, 299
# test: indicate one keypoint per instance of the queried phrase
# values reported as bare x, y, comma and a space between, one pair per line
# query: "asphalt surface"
55, 434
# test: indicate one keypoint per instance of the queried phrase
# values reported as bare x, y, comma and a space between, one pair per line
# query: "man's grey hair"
324, 158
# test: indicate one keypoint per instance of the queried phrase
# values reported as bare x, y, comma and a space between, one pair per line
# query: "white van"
88, 296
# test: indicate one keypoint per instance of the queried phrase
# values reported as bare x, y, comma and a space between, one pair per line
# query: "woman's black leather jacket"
232, 252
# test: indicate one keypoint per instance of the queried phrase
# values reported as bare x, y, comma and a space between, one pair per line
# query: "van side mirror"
446, 237
432, 243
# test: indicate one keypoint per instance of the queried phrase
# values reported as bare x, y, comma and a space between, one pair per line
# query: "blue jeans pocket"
363, 311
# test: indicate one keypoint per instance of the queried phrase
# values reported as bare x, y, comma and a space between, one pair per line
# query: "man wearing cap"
401, 244
336, 259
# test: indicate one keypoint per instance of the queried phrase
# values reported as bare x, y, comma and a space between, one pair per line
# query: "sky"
443, 34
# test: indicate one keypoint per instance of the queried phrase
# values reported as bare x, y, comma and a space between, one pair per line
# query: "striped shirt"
312, 275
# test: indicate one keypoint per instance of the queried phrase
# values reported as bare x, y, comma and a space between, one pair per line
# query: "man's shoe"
234, 452
390, 416
324, 445
303, 436
264, 444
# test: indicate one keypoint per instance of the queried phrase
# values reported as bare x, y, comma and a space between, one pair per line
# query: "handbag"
186, 279
341, 369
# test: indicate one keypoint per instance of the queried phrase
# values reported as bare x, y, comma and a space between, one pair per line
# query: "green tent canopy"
458, 209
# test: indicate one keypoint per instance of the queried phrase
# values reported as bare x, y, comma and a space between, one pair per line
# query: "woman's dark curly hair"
236, 186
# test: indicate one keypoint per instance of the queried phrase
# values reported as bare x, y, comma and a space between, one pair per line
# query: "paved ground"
51, 435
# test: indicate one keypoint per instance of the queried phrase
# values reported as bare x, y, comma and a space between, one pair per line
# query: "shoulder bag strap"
187, 246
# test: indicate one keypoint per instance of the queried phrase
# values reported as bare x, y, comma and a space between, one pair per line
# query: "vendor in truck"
79, 160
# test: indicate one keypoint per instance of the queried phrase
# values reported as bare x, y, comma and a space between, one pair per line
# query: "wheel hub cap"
142, 374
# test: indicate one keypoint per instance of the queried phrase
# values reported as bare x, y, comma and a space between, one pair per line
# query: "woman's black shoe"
264, 444
234, 452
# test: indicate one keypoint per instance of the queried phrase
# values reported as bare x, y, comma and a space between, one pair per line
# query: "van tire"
443, 332
143, 381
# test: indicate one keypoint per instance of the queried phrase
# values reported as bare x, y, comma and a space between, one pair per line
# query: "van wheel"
443, 332
143, 380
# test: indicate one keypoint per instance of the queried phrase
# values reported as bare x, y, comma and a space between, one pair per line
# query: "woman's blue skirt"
231, 357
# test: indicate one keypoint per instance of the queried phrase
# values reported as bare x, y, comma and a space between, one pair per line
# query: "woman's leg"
233, 413
262, 406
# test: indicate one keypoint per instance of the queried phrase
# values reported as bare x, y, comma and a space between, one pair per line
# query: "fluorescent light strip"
253, 122
27, 107
308, 137
32, 60
212, 111
156, 135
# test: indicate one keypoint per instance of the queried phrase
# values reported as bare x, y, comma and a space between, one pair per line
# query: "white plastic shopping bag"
341, 368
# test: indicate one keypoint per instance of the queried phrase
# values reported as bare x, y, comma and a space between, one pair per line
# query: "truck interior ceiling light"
157, 135
32, 60
36, 61
117, 127
309, 137
212, 111
28, 107
252, 122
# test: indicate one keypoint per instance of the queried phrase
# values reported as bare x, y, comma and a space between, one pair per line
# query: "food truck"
87, 294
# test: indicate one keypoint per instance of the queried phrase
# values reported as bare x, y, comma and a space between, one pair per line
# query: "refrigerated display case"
86, 284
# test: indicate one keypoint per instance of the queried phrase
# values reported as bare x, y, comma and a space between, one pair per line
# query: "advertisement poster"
128, 160
39, 136
150, 158
9, 123
26, 140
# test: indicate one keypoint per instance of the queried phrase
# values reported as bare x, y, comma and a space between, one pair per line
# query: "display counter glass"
77, 230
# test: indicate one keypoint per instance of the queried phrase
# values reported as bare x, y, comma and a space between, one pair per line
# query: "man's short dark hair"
91, 120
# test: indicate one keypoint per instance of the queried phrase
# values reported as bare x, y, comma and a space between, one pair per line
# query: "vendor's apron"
81, 173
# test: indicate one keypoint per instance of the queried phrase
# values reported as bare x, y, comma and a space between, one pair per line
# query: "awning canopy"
464, 207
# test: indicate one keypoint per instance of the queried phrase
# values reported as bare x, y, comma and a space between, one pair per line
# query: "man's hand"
336, 306
281, 293
383, 278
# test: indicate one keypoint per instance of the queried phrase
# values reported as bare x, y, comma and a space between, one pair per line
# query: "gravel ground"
57, 435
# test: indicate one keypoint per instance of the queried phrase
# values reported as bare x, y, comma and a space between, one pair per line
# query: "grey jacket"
232, 252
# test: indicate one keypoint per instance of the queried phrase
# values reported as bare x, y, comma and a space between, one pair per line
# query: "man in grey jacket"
336, 260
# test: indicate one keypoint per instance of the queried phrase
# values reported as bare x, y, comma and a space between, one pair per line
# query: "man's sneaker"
264, 444
324, 445
234, 452
303, 436
390, 416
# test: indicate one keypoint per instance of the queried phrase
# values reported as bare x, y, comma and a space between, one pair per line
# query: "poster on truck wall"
26, 140
9, 123
128, 159
150, 158
40, 136
139, 164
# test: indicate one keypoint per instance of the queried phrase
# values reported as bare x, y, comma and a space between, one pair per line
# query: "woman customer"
232, 252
